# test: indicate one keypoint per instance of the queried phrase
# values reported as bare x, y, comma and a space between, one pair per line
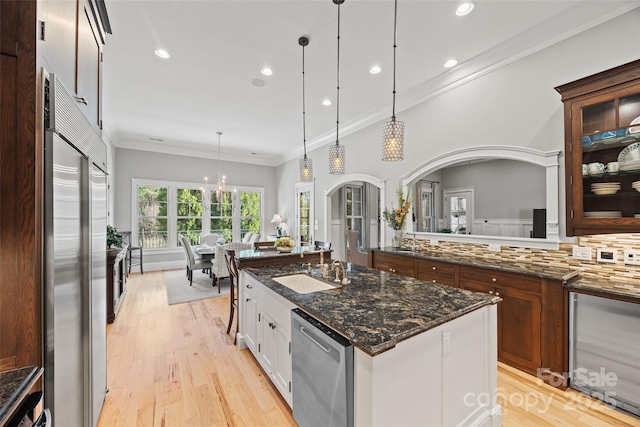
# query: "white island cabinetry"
266, 331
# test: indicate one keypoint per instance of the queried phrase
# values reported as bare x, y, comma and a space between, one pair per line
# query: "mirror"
491, 194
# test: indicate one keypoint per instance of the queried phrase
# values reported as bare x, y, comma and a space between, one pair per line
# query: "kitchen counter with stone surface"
14, 386
606, 287
377, 309
538, 270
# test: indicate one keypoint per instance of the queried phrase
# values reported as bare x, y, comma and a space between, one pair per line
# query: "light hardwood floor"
176, 366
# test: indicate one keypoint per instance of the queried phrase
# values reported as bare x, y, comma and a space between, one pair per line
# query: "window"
222, 214
189, 214
152, 218
250, 212
167, 209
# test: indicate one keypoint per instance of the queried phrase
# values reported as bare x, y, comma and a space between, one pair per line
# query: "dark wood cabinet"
437, 272
116, 281
404, 266
89, 66
532, 327
519, 322
602, 123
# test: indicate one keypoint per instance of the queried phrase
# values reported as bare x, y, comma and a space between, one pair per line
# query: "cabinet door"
436, 272
88, 67
404, 266
250, 322
282, 374
519, 329
267, 344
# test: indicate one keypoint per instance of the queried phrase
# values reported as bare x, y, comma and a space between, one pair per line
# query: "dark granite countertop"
377, 309
14, 386
272, 253
606, 286
543, 271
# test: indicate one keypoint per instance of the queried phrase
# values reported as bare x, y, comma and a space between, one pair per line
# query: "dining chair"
209, 239
247, 237
234, 283
355, 254
193, 263
219, 267
263, 246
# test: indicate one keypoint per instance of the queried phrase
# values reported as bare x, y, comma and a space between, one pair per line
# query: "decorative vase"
396, 240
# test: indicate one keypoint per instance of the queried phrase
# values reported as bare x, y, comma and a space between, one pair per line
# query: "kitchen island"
424, 353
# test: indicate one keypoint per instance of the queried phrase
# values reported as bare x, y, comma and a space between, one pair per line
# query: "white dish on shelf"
635, 125
606, 192
629, 153
636, 216
603, 214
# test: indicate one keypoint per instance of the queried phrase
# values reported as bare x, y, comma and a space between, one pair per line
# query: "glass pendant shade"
393, 146
306, 169
337, 155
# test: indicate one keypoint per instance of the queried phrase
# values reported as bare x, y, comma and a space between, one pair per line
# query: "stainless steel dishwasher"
322, 373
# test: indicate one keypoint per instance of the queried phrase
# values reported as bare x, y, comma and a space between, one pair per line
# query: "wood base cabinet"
116, 281
532, 329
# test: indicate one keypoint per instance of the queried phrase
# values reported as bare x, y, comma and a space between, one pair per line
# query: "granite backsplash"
618, 271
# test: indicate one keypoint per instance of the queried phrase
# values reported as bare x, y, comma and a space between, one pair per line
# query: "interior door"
458, 210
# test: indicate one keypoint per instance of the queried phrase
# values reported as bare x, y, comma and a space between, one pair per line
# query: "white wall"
503, 189
148, 165
515, 105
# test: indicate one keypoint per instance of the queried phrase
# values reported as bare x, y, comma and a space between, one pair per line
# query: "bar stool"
234, 277
134, 253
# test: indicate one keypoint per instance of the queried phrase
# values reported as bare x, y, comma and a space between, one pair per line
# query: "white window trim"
172, 216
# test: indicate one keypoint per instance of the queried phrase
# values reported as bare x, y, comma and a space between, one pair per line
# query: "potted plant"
114, 238
284, 244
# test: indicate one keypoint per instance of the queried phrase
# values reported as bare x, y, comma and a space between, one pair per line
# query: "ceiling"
218, 48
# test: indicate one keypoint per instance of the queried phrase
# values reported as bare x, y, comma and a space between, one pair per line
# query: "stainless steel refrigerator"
75, 221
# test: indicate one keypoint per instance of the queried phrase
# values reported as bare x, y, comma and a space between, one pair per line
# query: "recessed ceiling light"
162, 53
465, 8
375, 69
266, 71
450, 63
326, 102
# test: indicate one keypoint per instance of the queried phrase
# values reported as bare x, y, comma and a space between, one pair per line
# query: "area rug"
179, 291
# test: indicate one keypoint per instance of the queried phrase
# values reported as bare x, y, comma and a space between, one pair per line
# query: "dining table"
205, 251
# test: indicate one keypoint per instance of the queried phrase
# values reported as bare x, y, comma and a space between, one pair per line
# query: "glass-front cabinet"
602, 151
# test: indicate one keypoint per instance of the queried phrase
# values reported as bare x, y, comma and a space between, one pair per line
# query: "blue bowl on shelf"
586, 142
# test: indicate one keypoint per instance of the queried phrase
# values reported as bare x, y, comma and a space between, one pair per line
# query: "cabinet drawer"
436, 267
395, 264
500, 279
443, 279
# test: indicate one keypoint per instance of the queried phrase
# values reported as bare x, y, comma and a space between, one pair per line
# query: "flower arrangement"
286, 242
395, 216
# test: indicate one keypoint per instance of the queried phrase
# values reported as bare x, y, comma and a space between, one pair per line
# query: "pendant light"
337, 152
306, 164
393, 131
221, 178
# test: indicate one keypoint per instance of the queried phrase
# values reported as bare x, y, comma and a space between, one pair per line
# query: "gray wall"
503, 189
515, 105
134, 164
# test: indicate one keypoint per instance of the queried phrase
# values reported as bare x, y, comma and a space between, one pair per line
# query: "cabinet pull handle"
248, 299
249, 287
271, 325
490, 292
434, 280
392, 270
493, 279
497, 293
82, 100
434, 268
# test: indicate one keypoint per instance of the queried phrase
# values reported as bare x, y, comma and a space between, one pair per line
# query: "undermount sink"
303, 284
